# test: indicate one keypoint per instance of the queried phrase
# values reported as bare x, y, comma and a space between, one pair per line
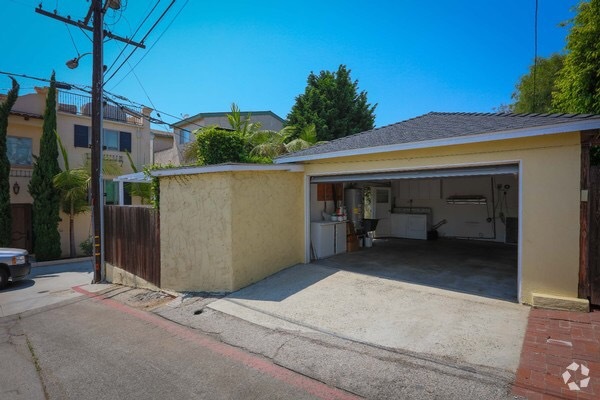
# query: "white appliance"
411, 226
328, 238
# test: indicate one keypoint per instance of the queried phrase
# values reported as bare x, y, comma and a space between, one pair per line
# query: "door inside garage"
454, 229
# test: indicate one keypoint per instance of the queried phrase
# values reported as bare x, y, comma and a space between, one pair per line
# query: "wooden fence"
132, 240
594, 235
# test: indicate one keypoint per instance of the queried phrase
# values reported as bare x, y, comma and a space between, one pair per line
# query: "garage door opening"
454, 229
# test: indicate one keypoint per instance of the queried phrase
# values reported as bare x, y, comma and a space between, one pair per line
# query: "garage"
488, 183
453, 228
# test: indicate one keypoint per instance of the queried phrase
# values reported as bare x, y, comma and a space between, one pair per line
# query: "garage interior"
454, 229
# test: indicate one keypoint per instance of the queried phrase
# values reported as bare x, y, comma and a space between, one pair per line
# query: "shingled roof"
436, 126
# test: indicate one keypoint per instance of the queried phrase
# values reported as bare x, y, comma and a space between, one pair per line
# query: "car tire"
3, 278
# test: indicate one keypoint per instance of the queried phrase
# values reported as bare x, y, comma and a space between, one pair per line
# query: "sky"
411, 57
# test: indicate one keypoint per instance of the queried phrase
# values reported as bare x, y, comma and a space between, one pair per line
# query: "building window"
184, 136
19, 150
113, 140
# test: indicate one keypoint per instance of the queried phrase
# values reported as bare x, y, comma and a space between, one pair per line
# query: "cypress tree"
5, 212
46, 198
333, 104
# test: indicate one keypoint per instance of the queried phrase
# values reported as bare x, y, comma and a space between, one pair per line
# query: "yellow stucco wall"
222, 231
195, 232
550, 195
268, 224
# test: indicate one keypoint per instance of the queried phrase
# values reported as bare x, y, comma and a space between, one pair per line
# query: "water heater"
353, 200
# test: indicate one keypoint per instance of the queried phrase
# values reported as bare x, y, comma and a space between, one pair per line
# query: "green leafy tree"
332, 102
5, 212
217, 146
271, 144
578, 82
142, 190
73, 185
241, 124
46, 198
538, 100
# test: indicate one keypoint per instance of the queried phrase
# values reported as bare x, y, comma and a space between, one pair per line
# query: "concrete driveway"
48, 284
465, 329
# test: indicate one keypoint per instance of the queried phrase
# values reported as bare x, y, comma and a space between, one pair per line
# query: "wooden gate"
22, 230
132, 240
594, 235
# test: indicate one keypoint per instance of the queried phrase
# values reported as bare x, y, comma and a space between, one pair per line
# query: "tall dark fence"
132, 240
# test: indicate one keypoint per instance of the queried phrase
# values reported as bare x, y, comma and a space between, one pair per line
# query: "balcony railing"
118, 159
82, 105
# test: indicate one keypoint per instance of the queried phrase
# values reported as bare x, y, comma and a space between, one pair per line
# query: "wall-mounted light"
16, 188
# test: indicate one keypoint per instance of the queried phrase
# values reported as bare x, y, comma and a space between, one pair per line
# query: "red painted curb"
282, 374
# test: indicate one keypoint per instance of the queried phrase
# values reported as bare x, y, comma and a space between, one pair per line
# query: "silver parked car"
14, 265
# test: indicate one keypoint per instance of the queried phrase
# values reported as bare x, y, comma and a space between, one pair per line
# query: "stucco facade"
221, 231
549, 193
25, 122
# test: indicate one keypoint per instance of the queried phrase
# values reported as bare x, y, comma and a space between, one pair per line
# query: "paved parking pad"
466, 329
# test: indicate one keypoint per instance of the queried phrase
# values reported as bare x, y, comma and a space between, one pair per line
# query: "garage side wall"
550, 194
196, 234
268, 224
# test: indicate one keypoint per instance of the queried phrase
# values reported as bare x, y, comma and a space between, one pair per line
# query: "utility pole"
97, 115
96, 12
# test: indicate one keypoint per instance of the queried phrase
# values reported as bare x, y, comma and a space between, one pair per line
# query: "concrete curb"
59, 262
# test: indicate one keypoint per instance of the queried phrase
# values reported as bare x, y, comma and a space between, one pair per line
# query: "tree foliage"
217, 146
528, 100
332, 102
5, 212
142, 190
46, 197
72, 185
271, 144
578, 82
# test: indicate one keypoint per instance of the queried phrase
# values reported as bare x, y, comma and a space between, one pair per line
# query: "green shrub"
218, 146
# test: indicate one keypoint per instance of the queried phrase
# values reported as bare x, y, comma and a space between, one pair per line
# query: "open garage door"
451, 228
419, 174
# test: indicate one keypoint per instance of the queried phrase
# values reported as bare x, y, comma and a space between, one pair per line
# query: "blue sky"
411, 57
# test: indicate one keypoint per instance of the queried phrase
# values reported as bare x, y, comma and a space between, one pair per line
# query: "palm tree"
243, 126
142, 190
73, 186
272, 144
305, 139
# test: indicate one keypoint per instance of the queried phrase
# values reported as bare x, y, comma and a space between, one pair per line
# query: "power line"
154, 44
133, 35
142, 41
88, 90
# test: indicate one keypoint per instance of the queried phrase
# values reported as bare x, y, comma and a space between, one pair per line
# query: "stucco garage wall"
550, 195
195, 224
268, 224
222, 231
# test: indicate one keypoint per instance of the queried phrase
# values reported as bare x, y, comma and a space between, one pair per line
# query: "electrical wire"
133, 35
142, 41
154, 44
72, 40
88, 90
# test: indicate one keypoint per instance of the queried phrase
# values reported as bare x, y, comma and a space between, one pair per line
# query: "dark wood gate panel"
594, 235
22, 230
132, 240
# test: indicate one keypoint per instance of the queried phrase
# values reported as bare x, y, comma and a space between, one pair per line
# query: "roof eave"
226, 168
458, 140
